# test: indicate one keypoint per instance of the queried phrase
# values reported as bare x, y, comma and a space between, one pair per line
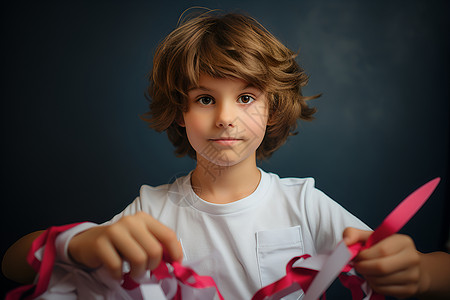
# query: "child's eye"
246, 99
205, 100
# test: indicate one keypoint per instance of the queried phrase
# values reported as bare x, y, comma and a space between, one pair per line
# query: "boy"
227, 92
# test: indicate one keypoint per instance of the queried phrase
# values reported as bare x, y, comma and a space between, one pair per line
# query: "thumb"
352, 235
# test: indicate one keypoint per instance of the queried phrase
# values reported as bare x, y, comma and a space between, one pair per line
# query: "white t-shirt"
246, 244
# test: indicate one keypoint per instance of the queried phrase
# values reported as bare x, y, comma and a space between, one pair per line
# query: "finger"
386, 265
107, 254
389, 246
352, 235
405, 276
150, 245
167, 237
130, 250
171, 244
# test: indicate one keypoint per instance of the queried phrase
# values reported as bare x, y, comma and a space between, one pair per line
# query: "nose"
225, 115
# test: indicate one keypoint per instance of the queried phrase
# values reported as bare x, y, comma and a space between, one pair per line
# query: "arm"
15, 265
437, 267
394, 267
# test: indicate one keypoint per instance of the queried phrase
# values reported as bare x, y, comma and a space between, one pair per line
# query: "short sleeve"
327, 220
150, 200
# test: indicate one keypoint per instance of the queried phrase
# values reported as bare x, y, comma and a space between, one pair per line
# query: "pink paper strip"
403, 212
338, 260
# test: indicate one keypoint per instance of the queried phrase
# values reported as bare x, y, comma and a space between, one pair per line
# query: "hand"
138, 239
391, 267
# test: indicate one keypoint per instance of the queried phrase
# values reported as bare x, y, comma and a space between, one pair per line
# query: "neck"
225, 184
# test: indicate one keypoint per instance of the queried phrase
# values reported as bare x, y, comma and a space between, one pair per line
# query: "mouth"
226, 141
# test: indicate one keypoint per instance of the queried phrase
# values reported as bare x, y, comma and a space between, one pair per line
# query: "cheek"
256, 120
194, 125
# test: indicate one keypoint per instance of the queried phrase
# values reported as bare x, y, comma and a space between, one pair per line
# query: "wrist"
424, 279
434, 276
63, 240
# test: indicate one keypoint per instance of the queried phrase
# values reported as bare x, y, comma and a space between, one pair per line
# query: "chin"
229, 162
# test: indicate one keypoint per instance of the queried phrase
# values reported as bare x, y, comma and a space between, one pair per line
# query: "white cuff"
63, 239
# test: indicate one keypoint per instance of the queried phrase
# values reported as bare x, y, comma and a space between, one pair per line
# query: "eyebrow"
203, 88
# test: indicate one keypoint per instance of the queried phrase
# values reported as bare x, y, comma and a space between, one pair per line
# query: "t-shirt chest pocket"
274, 250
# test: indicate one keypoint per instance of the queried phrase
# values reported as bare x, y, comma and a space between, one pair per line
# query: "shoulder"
292, 186
299, 194
294, 181
148, 192
302, 195
153, 199
305, 193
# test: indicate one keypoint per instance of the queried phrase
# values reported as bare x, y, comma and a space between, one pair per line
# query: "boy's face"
226, 120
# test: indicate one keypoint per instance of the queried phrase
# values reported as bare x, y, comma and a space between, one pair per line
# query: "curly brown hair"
226, 45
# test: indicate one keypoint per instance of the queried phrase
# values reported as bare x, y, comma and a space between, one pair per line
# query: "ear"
180, 121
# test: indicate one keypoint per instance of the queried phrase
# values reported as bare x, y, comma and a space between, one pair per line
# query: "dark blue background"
73, 83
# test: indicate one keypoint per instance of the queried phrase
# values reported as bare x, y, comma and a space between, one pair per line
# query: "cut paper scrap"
315, 274
41, 266
183, 275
